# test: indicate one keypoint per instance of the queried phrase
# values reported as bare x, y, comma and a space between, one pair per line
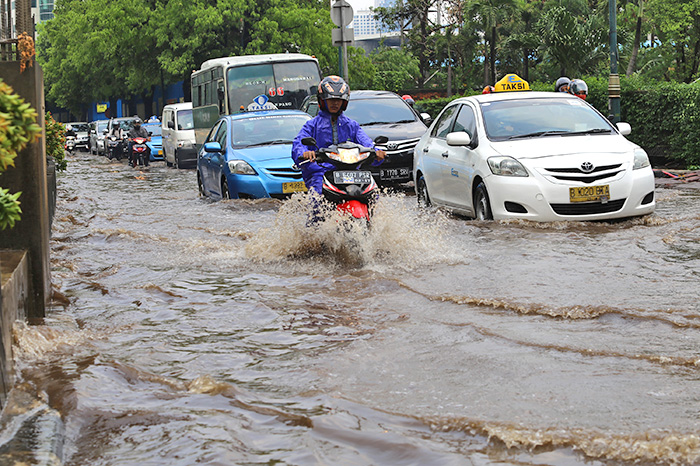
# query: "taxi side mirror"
624, 128
459, 138
427, 119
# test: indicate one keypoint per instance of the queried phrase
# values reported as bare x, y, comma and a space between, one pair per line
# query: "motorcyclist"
408, 99
330, 126
579, 88
488, 90
562, 84
118, 133
138, 131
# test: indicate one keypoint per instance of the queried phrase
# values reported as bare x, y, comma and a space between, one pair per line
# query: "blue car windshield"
526, 118
155, 130
267, 129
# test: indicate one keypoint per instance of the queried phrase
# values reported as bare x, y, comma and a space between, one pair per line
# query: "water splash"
399, 234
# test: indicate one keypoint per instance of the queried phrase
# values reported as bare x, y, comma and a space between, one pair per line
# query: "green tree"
575, 43
489, 14
677, 24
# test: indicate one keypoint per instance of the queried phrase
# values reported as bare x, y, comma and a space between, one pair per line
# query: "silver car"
96, 138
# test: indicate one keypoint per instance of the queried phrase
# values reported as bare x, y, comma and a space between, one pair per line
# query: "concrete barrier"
15, 281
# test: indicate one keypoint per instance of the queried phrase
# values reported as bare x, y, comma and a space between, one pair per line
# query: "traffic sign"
341, 13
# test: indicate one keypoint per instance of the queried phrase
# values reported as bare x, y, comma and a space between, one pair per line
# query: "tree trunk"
632, 65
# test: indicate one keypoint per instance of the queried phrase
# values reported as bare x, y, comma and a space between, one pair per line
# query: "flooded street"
188, 332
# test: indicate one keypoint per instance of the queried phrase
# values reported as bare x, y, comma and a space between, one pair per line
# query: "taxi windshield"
530, 118
268, 129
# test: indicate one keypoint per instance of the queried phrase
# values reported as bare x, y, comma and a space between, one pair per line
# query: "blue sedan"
156, 142
248, 155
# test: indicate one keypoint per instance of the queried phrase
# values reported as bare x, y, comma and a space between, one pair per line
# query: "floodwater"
186, 331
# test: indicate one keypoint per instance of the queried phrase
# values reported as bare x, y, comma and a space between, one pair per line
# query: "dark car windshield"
379, 110
267, 129
79, 127
530, 118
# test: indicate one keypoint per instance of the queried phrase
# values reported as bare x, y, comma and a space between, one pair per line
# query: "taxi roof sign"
512, 82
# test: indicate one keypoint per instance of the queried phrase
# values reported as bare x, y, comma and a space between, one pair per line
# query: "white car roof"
502, 96
179, 106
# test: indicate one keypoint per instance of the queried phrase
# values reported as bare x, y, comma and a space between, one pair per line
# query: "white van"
178, 136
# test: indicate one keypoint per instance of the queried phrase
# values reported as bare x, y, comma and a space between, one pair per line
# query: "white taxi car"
540, 156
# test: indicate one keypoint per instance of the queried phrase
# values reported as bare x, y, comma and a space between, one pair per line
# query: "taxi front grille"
284, 172
577, 175
588, 208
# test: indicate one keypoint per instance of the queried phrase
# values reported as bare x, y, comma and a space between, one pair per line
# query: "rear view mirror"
427, 119
381, 140
308, 141
213, 146
459, 138
171, 125
624, 128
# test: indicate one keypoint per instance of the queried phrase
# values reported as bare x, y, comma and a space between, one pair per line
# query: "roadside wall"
29, 176
14, 278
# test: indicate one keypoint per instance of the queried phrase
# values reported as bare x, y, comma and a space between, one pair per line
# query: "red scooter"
139, 153
350, 187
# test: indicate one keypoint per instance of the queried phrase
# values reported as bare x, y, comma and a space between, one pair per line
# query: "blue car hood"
275, 155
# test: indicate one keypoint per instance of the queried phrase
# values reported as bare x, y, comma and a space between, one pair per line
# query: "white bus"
225, 86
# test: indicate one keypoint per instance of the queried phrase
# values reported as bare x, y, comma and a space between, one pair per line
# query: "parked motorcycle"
115, 147
350, 187
139, 153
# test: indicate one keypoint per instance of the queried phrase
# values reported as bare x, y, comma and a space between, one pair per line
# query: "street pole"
614, 80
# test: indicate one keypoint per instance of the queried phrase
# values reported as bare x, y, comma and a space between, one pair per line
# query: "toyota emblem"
586, 167
392, 146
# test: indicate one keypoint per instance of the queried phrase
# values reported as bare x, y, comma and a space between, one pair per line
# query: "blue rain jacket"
321, 129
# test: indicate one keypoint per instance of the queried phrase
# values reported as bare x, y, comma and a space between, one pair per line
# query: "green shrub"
55, 141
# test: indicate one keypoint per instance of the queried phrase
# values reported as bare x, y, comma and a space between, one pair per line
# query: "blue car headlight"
641, 159
240, 167
506, 166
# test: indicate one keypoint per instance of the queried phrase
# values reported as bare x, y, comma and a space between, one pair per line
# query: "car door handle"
445, 154
425, 149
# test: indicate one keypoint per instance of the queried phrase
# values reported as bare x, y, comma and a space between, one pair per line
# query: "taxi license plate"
394, 173
294, 187
352, 177
590, 193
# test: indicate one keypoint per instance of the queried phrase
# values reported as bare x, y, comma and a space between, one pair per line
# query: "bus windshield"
286, 84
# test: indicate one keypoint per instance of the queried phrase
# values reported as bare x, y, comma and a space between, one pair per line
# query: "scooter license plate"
352, 177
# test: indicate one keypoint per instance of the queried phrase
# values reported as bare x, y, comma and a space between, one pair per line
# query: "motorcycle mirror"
381, 140
308, 141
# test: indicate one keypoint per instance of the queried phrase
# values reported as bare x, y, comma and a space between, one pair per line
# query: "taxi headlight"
506, 166
240, 167
641, 159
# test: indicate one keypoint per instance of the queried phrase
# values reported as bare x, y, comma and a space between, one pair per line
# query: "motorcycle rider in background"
329, 127
138, 131
118, 133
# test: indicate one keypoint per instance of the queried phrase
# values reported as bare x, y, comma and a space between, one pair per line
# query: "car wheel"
482, 206
422, 193
200, 186
225, 194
